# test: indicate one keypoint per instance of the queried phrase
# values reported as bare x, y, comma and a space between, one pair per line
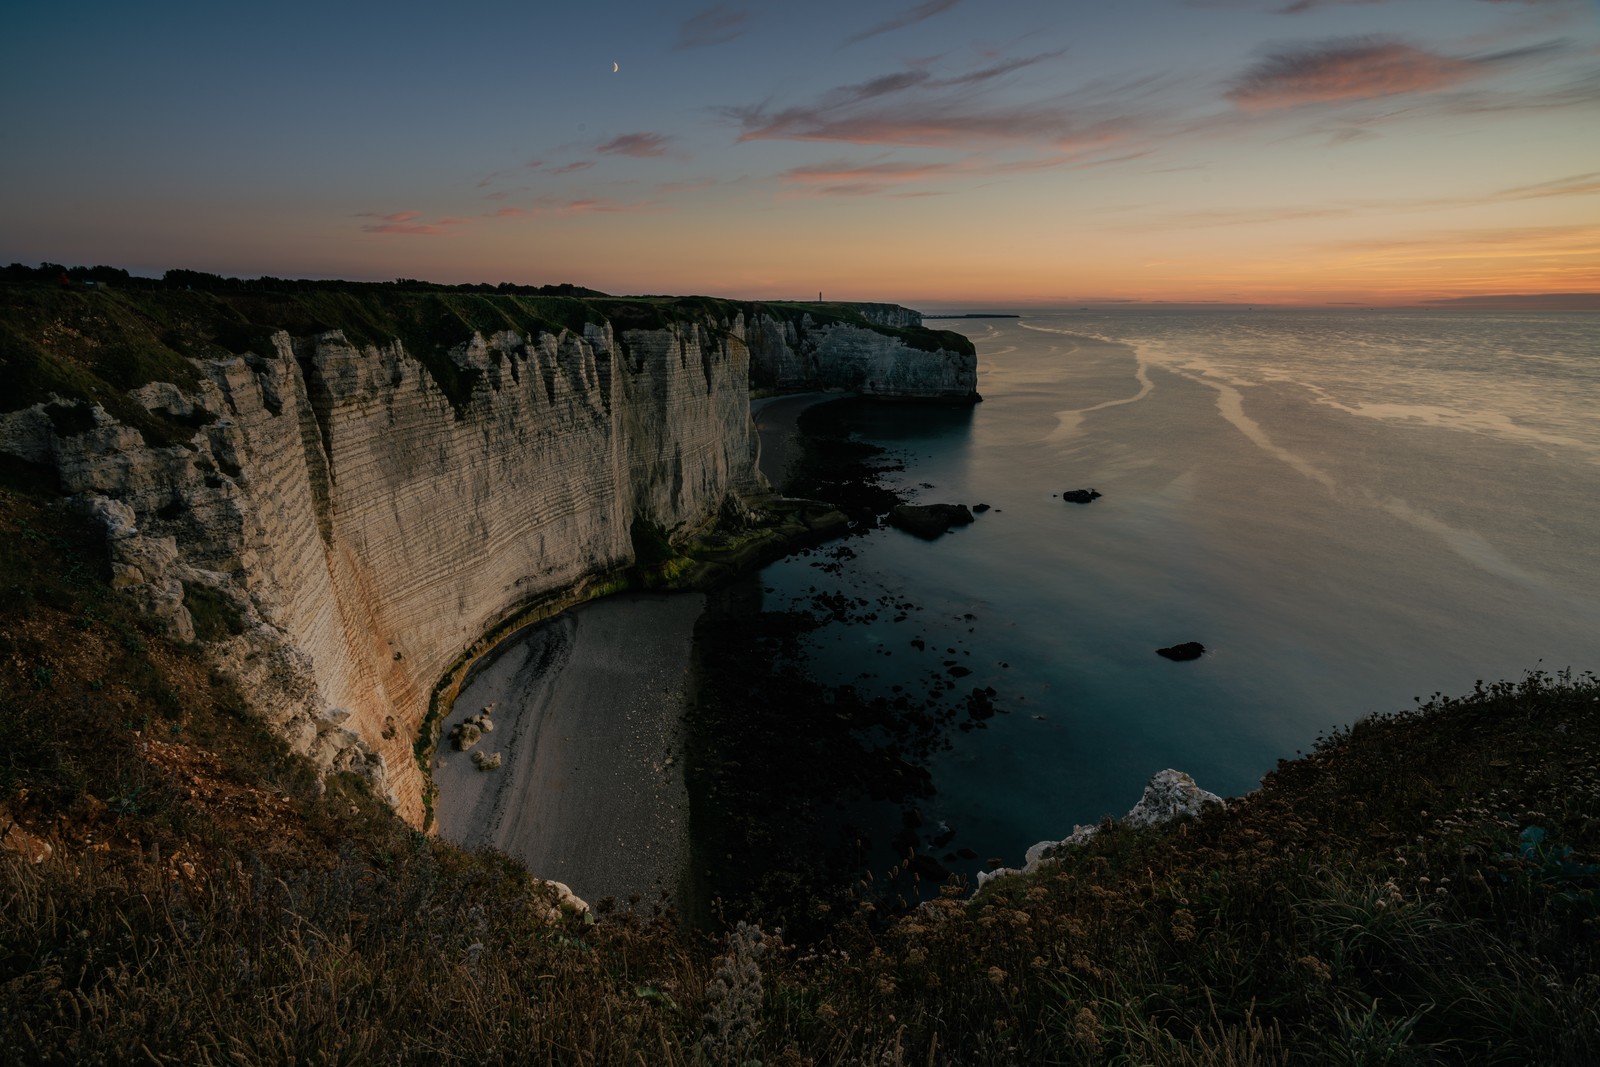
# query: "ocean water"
1348, 508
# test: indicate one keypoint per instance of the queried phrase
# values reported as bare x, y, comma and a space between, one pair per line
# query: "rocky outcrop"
1168, 796
1188, 650
803, 352
929, 521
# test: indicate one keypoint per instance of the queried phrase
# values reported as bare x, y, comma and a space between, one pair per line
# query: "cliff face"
364, 535
799, 352
343, 527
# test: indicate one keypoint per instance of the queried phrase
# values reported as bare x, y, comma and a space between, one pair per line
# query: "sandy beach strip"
588, 719
776, 419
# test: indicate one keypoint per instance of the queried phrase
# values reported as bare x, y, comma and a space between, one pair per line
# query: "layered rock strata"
362, 532
356, 526
800, 352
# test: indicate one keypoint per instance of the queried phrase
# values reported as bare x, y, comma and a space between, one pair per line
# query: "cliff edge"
342, 494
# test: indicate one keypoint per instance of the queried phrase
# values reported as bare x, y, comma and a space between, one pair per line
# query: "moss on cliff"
95, 344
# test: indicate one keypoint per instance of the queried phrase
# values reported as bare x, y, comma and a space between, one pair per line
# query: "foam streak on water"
1349, 508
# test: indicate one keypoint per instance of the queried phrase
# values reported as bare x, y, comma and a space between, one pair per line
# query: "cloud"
1300, 7
599, 205
913, 107
909, 17
938, 124
404, 222
571, 168
1366, 68
1587, 184
396, 216
1347, 69
716, 24
638, 145
844, 178
872, 175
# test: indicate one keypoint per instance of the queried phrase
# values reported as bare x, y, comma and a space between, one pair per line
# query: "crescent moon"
614, 68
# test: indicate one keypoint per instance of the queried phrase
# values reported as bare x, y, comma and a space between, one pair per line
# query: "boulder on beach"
1080, 496
928, 521
1186, 651
467, 735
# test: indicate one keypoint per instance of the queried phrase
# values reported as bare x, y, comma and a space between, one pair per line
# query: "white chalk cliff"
801, 353
367, 532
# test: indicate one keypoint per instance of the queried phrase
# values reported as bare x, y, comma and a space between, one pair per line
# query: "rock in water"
1080, 496
1187, 650
928, 521
979, 509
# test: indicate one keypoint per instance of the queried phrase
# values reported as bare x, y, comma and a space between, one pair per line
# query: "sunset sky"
1009, 152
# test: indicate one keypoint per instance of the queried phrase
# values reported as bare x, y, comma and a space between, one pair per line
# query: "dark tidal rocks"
979, 509
929, 521
1080, 496
1186, 651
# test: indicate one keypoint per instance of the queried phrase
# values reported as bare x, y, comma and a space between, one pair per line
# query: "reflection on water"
1347, 510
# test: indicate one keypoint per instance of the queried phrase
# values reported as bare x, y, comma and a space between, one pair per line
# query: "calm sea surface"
1349, 509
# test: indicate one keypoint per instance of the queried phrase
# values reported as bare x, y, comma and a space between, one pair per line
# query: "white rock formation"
1169, 795
367, 531
806, 354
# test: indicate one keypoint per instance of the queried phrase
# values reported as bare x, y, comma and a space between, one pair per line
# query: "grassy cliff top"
1423, 887
97, 341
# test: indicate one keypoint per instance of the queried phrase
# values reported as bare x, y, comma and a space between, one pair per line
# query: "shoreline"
777, 421
588, 709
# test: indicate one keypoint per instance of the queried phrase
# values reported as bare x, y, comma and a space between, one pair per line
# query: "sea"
1352, 510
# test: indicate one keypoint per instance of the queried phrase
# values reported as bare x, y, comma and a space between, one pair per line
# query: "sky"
934, 153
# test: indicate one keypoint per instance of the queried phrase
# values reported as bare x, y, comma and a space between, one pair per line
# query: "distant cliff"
359, 488
809, 348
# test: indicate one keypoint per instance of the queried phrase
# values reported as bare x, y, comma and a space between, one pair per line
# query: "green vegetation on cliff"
1422, 888
96, 342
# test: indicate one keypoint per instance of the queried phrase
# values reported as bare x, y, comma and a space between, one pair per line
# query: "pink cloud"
403, 222
913, 107
638, 145
1348, 69
602, 206
573, 168
868, 177
396, 216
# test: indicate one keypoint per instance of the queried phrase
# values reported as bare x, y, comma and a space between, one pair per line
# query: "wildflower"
1086, 1028
997, 976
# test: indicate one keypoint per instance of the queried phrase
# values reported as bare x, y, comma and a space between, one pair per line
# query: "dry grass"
1423, 888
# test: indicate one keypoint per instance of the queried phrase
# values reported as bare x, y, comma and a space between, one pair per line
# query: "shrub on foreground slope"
1420, 889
